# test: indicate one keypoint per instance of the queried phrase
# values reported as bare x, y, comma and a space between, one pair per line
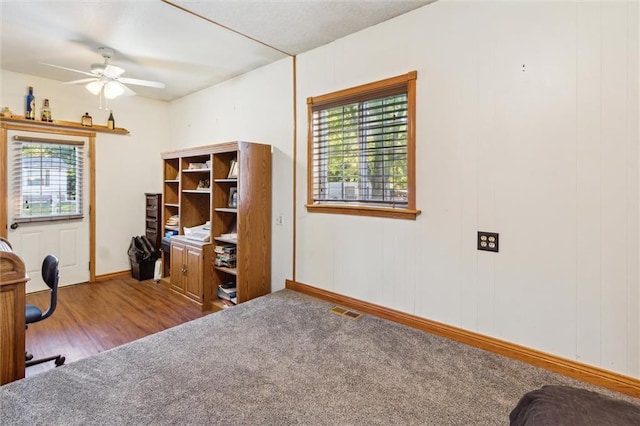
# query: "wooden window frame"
355, 94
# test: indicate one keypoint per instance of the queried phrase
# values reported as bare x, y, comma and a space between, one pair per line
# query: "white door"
45, 215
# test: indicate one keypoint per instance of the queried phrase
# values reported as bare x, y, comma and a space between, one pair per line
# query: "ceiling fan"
106, 79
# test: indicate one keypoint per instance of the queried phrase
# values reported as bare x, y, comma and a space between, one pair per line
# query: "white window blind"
47, 179
360, 152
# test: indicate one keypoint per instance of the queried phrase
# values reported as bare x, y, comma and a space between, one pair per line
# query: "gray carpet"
278, 360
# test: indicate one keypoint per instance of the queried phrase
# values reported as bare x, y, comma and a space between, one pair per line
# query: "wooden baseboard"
99, 278
113, 275
587, 373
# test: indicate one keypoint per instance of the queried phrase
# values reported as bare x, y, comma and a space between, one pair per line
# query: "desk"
12, 310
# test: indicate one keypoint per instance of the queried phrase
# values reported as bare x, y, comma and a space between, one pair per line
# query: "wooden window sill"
408, 214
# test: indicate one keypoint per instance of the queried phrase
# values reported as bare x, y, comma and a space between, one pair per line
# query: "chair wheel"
59, 361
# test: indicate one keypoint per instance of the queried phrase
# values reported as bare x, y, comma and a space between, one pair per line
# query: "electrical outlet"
488, 241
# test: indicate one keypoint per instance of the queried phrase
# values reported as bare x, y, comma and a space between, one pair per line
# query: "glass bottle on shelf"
111, 123
87, 121
30, 111
45, 114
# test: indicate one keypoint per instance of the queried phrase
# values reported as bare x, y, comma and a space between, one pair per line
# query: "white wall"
527, 125
255, 107
126, 166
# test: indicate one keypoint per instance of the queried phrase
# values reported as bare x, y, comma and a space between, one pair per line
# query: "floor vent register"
346, 313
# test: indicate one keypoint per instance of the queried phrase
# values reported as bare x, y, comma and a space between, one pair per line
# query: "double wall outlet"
488, 241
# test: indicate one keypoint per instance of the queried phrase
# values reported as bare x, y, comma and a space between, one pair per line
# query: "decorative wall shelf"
64, 124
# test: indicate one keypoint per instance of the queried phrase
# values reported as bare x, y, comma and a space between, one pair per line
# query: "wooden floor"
91, 318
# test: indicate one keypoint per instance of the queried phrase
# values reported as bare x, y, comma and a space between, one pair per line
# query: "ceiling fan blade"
81, 81
127, 91
69, 69
146, 83
112, 71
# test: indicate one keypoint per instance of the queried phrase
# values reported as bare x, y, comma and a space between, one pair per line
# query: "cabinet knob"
184, 270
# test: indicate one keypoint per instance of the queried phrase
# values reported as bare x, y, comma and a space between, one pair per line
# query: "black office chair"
34, 314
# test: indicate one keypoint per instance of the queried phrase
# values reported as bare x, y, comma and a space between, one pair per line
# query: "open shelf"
231, 271
197, 171
219, 305
65, 124
226, 240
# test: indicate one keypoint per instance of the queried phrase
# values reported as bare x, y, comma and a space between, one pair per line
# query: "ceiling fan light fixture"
105, 78
94, 87
113, 89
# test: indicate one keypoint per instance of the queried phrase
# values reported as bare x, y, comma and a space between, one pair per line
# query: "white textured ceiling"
179, 43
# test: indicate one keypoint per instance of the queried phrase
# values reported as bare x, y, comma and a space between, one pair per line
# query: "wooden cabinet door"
177, 268
193, 285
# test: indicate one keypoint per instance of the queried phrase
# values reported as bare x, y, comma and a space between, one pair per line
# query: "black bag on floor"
142, 256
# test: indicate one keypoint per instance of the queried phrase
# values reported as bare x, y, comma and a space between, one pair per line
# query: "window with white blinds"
362, 149
47, 179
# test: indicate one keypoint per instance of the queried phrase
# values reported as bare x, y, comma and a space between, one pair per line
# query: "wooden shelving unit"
198, 194
64, 124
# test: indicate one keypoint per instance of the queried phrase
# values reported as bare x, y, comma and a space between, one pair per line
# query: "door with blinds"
47, 204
